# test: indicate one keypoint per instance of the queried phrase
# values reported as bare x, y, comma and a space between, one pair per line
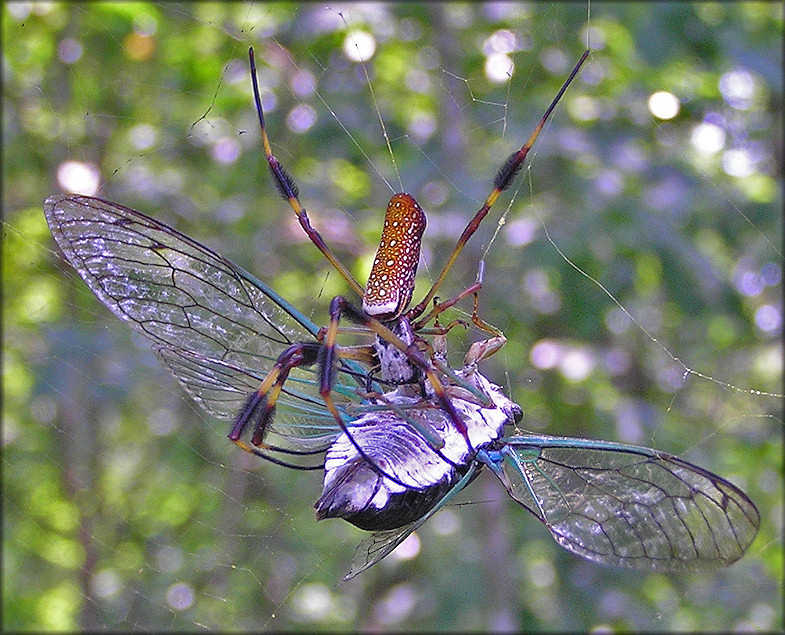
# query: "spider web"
629, 277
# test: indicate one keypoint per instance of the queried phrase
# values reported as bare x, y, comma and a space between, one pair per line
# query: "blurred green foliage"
126, 508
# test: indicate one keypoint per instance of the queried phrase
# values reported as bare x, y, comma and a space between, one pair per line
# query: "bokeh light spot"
499, 67
664, 105
78, 177
359, 46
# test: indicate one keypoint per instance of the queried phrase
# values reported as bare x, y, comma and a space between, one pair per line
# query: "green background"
126, 508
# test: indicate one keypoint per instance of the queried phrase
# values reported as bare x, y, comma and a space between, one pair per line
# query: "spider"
399, 353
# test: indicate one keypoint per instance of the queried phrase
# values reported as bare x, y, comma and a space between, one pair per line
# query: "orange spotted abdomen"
391, 282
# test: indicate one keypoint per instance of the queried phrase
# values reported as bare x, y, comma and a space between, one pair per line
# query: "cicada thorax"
388, 475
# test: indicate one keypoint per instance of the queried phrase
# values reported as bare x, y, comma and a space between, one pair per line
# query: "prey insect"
397, 431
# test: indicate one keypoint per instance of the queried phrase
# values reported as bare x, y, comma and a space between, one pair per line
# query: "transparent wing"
218, 329
382, 543
626, 505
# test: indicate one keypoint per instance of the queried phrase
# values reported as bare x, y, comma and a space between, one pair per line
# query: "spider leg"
288, 189
504, 177
487, 347
478, 351
441, 307
340, 305
260, 405
273, 459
